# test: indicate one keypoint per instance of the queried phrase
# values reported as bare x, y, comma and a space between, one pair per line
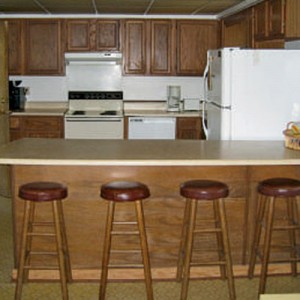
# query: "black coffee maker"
17, 96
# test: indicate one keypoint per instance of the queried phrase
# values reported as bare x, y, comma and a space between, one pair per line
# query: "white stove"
94, 115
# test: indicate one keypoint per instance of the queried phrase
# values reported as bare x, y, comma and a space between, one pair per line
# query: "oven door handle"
93, 120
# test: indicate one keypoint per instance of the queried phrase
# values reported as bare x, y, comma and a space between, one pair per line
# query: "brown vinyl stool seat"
37, 193
270, 191
119, 192
204, 191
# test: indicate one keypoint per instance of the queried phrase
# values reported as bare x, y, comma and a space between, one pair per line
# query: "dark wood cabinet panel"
92, 35
292, 19
261, 20
276, 18
194, 38
189, 128
134, 40
43, 51
237, 30
78, 35
162, 47
15, 47
107, 35
36, 126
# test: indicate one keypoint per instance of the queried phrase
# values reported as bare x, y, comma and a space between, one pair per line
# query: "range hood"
93, 57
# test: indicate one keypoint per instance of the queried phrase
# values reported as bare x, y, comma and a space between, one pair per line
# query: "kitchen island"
83, 165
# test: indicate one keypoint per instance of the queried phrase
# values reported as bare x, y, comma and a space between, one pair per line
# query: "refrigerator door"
218, 102
264, 94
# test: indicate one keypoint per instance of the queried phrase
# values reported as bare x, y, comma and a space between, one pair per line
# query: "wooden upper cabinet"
237, 30
194, 38
269, 20
261, 20
292, 24
276, 18
134, 40
15, 47
43, 51
78, 35
162, 47
92, 35
107, 35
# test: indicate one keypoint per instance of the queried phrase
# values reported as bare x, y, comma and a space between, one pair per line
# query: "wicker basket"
292, 140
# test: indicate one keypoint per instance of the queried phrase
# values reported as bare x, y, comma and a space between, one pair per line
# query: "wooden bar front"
85, 213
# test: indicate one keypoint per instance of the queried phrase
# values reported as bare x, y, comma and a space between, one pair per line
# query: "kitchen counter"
146, 152
42, 109
161, 113
163, 165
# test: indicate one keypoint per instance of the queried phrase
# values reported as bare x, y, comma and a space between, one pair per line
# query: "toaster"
191, 104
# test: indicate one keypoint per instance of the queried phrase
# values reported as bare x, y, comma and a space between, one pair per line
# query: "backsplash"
55, 88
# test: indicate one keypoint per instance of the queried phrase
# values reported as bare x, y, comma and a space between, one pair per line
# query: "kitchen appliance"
93, 57
251, 94
191, 104
174, 97
17, 96
94, 115
152, 128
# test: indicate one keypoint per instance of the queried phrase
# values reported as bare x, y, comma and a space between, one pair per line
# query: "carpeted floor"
199, 289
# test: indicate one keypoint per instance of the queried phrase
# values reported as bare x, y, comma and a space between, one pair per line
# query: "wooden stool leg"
227, 252
65, 247
59, 246
219, 237
292, 221
183, 240
22, 254
267, 243
189, 246
106, 249
144, 246
257, 233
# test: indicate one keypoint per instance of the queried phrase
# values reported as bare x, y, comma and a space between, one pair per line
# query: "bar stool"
270, 191
119, 192
202, 191
38, 193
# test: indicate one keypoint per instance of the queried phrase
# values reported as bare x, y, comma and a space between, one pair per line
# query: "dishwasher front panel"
158, 128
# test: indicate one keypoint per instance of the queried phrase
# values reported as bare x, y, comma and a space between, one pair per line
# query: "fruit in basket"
295, 128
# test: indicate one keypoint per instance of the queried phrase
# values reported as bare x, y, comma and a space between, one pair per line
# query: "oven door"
94, 128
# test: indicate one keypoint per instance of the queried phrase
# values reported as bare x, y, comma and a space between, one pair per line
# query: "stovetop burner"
79, 112
109, 113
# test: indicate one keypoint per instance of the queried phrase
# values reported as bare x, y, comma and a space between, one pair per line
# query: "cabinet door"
292, 25
237, 30
107, 35
134, 40
43, 47
276, 18
162, 47
189, 128
261, 20
15, 47
194, 38
78, 35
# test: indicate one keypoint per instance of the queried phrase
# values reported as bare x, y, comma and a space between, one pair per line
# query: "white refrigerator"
251, 94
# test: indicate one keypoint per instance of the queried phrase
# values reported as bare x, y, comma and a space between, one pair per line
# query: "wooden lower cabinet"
189, 128
36, 127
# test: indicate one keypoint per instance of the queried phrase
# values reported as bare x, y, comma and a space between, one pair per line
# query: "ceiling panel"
140, 7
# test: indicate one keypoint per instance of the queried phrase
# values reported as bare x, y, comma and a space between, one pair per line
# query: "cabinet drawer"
42, 123
14, 122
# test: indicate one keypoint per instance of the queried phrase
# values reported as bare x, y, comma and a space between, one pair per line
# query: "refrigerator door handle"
218, 105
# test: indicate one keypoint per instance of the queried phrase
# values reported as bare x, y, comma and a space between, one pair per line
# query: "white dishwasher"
160, 128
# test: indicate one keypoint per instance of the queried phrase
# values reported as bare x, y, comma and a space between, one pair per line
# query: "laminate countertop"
35, 151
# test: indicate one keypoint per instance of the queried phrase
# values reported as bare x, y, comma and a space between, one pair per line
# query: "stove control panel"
98, 95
